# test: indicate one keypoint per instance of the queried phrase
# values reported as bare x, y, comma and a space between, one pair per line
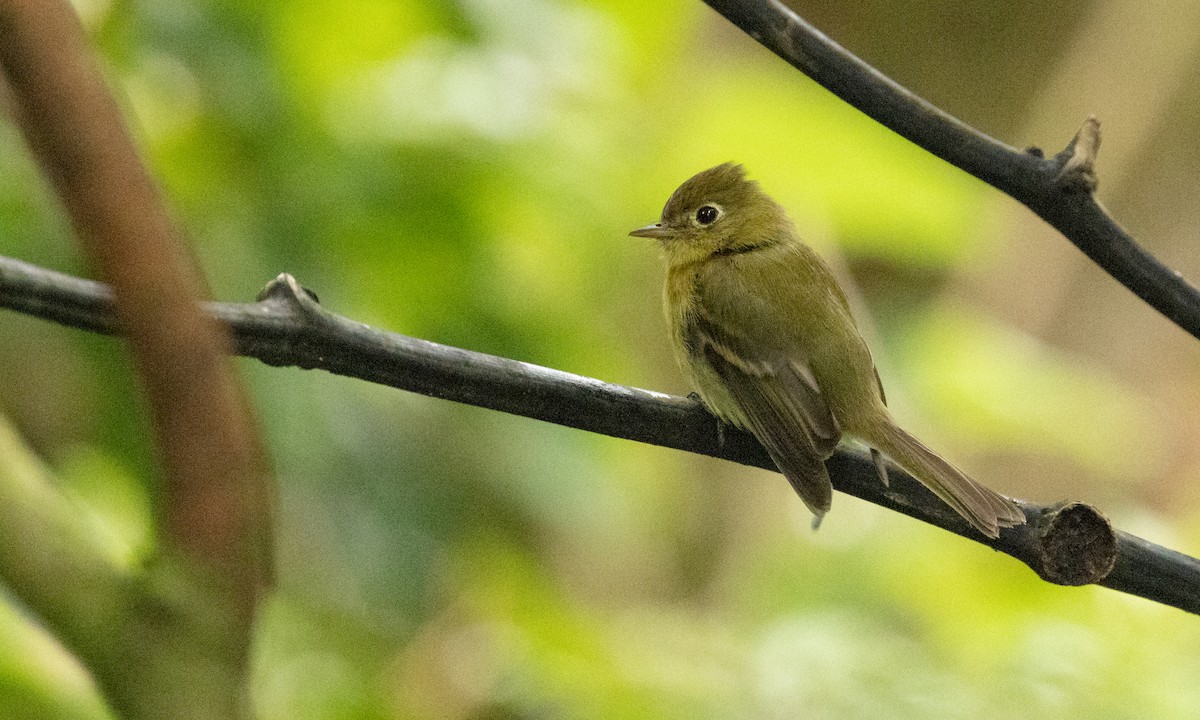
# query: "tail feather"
985, 509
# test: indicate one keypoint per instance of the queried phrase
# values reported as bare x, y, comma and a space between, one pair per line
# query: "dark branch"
1058, 188
1069, 544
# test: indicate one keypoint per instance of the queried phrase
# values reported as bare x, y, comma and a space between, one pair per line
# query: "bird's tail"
986, 509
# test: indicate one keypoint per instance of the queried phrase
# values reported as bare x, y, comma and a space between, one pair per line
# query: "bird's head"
716, 211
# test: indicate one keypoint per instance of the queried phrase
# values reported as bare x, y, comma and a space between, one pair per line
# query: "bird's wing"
781, 404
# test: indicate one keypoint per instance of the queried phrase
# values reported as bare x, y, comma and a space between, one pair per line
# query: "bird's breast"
681, 296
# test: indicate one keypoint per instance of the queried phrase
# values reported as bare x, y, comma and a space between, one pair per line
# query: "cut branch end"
1078, 545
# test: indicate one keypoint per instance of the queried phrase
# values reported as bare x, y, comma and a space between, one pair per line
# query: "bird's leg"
720, 423
880, 466
876, 456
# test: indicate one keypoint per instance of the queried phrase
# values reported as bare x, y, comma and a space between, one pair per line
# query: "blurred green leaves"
880, 195
1014, 394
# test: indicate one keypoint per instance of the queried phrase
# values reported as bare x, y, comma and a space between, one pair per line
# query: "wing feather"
782, 406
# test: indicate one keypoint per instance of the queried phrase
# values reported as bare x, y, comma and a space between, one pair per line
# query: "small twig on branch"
1058, 189
1066, 544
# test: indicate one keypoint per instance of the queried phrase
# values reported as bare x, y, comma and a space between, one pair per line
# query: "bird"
761, 326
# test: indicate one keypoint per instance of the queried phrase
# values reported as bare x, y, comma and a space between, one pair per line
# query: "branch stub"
1078, 171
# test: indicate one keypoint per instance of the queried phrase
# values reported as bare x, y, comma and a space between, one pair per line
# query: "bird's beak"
656, 231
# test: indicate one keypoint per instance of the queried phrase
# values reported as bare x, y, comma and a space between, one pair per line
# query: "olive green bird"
758, 321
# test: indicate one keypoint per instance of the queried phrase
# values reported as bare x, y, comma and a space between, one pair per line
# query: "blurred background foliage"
466, 172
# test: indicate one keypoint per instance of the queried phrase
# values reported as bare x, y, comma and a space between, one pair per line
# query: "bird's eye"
707, 215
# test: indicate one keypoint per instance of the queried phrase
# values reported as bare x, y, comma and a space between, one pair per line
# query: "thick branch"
215, 479
182, 654
1068, 544
215, 504
1058, 189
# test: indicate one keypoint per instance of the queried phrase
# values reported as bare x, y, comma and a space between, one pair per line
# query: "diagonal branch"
215, 489
1058, 189
1066, 544
215, 479
189, 627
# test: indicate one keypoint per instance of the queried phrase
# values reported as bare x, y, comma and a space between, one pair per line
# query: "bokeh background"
466, 172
